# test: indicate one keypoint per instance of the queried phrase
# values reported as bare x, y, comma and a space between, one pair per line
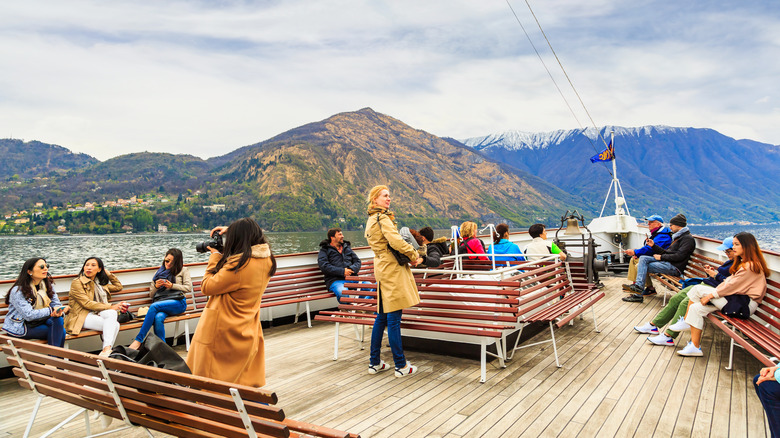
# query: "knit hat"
679, 220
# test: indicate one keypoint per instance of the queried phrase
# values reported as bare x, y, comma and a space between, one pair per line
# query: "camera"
215, 242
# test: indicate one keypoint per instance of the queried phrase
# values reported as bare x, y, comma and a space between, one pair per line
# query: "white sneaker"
647, 328
661, 339
405, 371
680, 326
373, 369
690, 350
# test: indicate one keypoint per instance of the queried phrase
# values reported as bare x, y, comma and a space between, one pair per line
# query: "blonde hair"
374, 193
468, 229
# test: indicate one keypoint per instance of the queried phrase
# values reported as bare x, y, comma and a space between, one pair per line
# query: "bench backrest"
168, 401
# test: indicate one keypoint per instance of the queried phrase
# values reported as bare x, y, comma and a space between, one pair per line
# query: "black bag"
400, 258
738, 306
154, 352
35, 322
125, 316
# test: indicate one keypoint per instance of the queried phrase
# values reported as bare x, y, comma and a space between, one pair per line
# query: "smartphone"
59, 309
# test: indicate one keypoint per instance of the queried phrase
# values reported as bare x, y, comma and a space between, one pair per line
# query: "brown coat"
396, 282
82, 301
228, 344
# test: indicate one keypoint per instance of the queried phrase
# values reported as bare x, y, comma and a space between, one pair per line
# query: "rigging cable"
555, 82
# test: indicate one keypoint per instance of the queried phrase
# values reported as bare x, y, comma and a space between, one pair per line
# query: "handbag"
738, 306
690, 282
125, 316
35, 322
154, 352
400, 258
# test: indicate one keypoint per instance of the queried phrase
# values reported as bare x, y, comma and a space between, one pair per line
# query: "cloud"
207, 77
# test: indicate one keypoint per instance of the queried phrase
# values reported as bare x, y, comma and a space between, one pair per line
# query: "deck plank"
612, 383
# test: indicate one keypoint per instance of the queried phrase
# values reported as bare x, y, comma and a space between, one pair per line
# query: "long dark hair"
751, 253
178, 261
101, 277
240, 236
24, 279
501, 229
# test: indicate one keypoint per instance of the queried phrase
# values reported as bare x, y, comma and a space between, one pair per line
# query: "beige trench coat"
82, 301
228, 344
396, 282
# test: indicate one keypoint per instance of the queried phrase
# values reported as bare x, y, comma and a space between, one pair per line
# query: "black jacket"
434, 252
679, 252
332, 262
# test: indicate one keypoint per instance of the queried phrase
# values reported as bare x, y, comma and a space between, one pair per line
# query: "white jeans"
697, 312
106, 322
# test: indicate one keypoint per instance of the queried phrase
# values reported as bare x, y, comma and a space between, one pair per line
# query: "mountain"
33, 158
325, 169
664, 170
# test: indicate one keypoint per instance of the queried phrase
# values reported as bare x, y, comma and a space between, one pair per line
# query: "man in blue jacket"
336, 261
662, 236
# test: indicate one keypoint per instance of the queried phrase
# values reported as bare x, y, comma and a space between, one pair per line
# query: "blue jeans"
392, 321
650, 264
769, 394
156, 316
53, 331
337, 287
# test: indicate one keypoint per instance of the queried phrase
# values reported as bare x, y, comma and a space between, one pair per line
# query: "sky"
207, 77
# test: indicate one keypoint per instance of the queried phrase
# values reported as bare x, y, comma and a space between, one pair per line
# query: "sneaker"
690, 350
383, 366
661, 339
680, 326
647, 328
627, 287
649, 292
634, 298
405, 371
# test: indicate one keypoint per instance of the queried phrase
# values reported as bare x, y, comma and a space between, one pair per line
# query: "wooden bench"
483, 317
151, 398
762, 329
694, 268
138, 296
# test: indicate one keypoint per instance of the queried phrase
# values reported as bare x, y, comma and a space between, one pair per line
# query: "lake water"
66, 254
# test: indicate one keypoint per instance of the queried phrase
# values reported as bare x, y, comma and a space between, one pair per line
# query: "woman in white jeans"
748, 277
89, 303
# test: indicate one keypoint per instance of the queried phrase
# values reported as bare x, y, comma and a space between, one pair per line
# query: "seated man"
662, 236
539, 246
670, 261
433, 249
678, 304
767, 384
336, 261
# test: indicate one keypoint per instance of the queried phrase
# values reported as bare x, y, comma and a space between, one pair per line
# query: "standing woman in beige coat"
89, 306
228, 344
396, 287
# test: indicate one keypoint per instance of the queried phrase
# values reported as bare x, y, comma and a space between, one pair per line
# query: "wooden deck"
612, 383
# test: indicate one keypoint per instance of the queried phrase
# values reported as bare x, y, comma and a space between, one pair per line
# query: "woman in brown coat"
89, 306
397, 289
228, 344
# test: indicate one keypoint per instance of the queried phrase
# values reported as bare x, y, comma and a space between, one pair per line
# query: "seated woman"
748, 277
34, 310
502, 245
471, 244
89, 295
678, 304
169, 285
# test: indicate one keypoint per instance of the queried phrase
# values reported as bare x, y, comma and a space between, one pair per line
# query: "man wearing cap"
662, 236
670, 261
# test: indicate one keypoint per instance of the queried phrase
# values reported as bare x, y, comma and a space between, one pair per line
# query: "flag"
606, 155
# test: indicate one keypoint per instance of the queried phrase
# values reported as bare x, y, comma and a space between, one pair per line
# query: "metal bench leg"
517, 341
187, 335
336, 343
500, 353
482, 361
297, 311
595, 324
87, 426
308, 314
555, 348
731, 354
32, 416
175, 333
65, 421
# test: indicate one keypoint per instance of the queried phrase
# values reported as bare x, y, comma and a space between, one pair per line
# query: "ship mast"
620, 198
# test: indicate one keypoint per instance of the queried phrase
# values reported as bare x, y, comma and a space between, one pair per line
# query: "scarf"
390, 214
42, 300
100, 294
162, 274
679, 233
